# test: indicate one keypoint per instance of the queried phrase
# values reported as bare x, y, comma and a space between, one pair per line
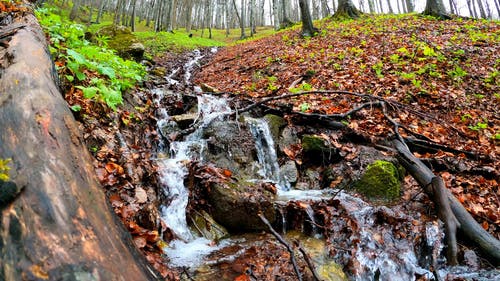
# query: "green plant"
457, 73
271, 86
478, 126
304, 107
80, 58
378, 67
4, 169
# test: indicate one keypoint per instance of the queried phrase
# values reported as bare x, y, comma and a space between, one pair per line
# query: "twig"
308, 261
286, 244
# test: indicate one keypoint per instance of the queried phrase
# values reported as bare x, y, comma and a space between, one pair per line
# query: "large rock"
317, 150
237, 205
123, 41
380, 182
231, 146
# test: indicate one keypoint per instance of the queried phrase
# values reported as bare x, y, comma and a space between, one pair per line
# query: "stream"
346, 237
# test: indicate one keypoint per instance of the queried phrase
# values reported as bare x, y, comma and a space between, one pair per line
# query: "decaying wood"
60, 226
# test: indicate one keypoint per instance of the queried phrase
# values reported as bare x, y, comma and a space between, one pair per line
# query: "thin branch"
308, 261
286, 244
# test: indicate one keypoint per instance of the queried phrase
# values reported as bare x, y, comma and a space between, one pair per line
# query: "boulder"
237, 205
317, 150
123, 41
380, 182
276, 124
231, 146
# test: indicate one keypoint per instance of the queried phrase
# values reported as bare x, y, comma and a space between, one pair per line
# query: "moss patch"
276, 123
381, 181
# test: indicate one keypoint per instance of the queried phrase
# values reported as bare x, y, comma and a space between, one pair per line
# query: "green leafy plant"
112, 74
378, 68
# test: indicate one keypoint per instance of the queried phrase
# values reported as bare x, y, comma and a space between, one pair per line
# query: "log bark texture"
60, 227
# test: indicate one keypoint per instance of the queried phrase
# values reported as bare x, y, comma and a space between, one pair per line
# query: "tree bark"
346, 9
60, 227
435, 8
308, 29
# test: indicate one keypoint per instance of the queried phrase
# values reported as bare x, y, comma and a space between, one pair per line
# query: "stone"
381, 181
208, 227
231, 146
276, 124
316, 150
184, 120
289, 171
236, 205
123, 41
288, 138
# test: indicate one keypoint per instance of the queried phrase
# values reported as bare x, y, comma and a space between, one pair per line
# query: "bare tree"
481, 9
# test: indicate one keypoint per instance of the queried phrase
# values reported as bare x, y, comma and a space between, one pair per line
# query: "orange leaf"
242, 277
485, 225
227, 173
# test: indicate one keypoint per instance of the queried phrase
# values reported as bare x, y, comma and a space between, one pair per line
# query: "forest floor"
441, 77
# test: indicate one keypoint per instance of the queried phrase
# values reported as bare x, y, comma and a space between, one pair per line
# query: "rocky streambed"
346, 210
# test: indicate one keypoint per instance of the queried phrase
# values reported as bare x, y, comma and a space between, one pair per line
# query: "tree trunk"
276, 15
391, 10
410, 6
482, 11
346, 9
60, 227
371, 6
308, 29
74, 10
435, 8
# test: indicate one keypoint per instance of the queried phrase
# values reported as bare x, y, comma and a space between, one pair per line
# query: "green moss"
381, 181
311, 143
276, 123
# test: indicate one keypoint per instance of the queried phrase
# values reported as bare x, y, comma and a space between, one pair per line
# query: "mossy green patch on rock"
275, 123
317, 150
381, 181
122, 40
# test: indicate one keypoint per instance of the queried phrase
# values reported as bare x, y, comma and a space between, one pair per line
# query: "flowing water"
378, 254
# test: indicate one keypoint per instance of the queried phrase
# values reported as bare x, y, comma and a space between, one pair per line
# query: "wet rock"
471, 259
288, 138
276, 124
317, 150
309, 179
169, 129
208, 227
231, 146
380, 181
184, 120
289, 171
236, 205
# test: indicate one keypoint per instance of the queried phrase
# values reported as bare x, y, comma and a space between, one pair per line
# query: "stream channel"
346, 237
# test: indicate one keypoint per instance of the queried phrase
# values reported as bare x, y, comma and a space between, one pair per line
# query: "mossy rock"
380, 182
275, 123
316, 150
123, 41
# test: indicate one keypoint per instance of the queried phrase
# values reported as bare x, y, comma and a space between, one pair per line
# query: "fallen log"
450, 210
59, 226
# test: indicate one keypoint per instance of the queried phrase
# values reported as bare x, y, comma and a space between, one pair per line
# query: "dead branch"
286, 244
429, 145
308, 261
442, 197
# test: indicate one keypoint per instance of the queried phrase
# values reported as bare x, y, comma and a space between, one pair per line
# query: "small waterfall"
310, 215
173, 170
266, 153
